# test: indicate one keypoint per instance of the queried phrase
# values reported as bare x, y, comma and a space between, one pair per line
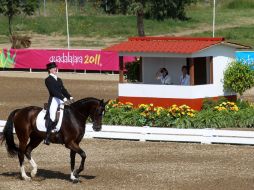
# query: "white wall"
222, 56
170, 91
153, 64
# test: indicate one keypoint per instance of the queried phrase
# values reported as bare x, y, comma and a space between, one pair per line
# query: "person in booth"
162, 74
185, 78
57, 95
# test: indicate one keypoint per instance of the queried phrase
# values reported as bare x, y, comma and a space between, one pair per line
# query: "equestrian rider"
57, 95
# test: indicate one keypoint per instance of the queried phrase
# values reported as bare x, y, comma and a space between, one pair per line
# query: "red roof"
181, 45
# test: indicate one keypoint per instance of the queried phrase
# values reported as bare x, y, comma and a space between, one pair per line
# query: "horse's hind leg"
34, 142
21, 153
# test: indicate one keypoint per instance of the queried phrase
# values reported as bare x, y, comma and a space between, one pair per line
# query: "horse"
70, 134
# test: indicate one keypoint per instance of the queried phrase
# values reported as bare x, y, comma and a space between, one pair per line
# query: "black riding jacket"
56, 88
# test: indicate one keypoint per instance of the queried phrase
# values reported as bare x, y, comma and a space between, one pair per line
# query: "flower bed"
218, 114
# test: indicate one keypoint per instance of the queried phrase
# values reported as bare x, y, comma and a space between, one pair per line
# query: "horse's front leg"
82, 163
72, 156
76, 149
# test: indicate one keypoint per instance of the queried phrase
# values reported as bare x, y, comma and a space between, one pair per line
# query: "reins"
71, 106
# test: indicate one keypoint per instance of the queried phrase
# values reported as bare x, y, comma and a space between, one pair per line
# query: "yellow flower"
143, 114
142, 106
111, 101
114, 105
129, 103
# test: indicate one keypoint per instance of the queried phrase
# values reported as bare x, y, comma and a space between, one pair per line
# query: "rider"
57, 95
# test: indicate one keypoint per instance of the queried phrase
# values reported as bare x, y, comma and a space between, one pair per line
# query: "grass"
240, 4
243, 35
235, 22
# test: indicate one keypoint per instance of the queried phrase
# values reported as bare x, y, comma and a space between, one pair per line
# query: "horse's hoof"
27, 178
33, 173
75, 180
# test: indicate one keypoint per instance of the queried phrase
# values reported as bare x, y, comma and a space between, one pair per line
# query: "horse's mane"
85, 100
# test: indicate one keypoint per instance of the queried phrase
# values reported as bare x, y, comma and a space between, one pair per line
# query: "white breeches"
53, 108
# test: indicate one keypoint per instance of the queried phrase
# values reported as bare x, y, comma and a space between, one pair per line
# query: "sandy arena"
114, 164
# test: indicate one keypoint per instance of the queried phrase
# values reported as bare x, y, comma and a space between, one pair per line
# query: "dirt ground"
20, 89
115, 164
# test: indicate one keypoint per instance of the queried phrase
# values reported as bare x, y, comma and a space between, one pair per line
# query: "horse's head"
97, 113
93, 108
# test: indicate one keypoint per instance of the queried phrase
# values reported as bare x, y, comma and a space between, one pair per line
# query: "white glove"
71, 99
66, 102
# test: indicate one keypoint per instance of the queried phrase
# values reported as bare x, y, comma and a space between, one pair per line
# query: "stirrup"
47, 139
47, 142
53, 130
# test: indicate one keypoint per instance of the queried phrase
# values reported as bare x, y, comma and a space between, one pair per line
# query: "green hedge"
220, 115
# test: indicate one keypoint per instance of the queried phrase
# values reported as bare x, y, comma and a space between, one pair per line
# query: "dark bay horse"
70, 134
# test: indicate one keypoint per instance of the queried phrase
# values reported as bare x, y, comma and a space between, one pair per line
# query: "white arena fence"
205, 136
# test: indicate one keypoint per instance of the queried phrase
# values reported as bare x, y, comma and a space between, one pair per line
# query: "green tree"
238, 77
150, 9
11, 8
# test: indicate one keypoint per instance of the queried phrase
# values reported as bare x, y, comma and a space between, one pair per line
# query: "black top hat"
51, 65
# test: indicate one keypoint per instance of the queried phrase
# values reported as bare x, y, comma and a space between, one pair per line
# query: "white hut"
206, 58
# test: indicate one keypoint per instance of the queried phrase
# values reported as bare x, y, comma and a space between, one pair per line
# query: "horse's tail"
8, 135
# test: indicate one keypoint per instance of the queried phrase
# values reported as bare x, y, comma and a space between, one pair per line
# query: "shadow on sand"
46, 174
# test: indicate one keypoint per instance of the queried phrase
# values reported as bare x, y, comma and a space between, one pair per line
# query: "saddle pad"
40, 121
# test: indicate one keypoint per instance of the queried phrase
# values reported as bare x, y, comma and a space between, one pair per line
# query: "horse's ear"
102, 102
106, 102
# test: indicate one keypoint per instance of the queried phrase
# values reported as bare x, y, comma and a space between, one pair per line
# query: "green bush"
209, 103
224, 114
242, 104
213, 119
238, 77
164, 120
244, 118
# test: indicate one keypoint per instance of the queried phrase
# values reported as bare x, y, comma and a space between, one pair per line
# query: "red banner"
65, 59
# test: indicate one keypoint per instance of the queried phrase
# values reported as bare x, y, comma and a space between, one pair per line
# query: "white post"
207, 136
214, 3
67, 24
44, 7
143, 134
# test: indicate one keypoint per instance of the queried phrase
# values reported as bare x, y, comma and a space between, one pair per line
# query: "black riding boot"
49, 126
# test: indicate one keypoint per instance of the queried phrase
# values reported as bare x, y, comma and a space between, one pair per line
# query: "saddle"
43, 117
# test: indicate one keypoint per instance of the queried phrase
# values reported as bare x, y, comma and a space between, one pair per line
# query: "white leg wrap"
34, 165
23, 173
73, 177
